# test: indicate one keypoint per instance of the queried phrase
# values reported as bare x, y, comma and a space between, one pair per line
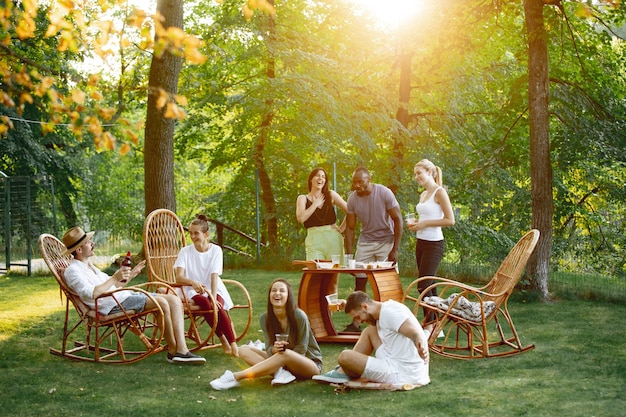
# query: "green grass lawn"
578, 368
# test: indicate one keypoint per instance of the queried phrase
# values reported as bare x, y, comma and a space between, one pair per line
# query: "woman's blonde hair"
433, 169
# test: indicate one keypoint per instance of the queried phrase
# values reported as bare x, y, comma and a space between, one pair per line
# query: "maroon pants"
224, 325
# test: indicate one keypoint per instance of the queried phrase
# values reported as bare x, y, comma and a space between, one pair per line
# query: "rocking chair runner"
123, 337
475, 321
163, 238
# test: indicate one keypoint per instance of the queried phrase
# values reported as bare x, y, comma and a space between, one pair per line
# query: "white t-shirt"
199, 266
397, 347
83, 278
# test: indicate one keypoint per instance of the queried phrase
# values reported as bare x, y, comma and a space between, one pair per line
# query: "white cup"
336, 261
347, 258
410, 219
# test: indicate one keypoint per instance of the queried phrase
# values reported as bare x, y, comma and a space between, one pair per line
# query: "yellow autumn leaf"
193, 56
106, 113
78, 96
108, 141
94, 125
133, 136
124, 149
180, 99
175, 36
94, 79
47, 128
51, 31
7, 100
96, 95
247, 12
6, 121
63, 45
26, 98
26, 27
162, 99
172, 111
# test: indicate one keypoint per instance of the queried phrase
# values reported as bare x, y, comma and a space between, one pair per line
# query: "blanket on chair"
469, 310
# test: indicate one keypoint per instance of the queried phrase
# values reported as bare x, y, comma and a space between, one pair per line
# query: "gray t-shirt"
371, 210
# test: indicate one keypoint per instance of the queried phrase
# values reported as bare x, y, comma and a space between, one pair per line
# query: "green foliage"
334, 99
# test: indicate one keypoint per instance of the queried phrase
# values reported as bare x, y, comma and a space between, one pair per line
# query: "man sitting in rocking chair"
89, 283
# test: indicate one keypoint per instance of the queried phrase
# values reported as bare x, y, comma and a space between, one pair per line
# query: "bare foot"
234, 349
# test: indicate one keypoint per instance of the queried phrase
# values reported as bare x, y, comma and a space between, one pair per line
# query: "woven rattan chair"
123, 337
475, 321
163, 238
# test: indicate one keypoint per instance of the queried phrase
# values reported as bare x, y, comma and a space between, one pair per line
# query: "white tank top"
430, 210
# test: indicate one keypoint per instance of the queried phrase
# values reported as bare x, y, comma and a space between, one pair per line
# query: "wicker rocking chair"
475, 321
163, 238
123, 337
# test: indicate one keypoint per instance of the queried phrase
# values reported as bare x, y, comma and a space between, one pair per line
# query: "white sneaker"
226, 381
282, 377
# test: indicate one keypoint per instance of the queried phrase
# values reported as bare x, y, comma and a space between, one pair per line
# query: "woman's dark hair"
202, 221
271, 321
325, 189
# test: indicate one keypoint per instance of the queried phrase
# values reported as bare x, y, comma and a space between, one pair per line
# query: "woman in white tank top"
434, 212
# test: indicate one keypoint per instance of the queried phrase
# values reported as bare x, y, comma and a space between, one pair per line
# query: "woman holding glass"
291, 350
434, 211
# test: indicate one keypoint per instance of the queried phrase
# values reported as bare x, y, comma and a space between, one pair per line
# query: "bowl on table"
324, 265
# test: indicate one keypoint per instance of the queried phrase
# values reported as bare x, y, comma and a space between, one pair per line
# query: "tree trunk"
402, 116
265, 183
159, 189
540, 166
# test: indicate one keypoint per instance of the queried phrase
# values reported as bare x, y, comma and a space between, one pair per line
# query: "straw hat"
74, 238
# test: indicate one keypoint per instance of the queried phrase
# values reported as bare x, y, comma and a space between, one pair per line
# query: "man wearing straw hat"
90, 283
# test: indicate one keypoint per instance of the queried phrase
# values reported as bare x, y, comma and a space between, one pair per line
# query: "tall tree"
159, 134
540, 161
262, 136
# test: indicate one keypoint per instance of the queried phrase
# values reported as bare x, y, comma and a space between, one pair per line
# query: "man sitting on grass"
398, 340
89, 283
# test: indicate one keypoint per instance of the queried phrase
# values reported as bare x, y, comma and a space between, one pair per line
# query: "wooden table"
317, 283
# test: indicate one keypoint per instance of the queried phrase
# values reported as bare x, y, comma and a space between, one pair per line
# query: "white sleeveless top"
430, 210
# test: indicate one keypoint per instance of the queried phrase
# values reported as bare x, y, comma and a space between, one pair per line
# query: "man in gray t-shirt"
381, 224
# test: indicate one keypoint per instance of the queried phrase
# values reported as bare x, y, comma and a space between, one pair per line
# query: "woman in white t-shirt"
434, 212
199, 267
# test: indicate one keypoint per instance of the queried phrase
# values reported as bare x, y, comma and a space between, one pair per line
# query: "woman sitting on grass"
298, 357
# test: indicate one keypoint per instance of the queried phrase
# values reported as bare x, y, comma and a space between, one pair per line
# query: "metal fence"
28, 209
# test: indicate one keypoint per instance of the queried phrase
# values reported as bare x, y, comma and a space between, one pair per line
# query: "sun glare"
390, 13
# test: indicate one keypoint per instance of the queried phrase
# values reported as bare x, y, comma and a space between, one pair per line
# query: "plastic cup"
410, 218
336, 261
347, 258
333, 302
282, 337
